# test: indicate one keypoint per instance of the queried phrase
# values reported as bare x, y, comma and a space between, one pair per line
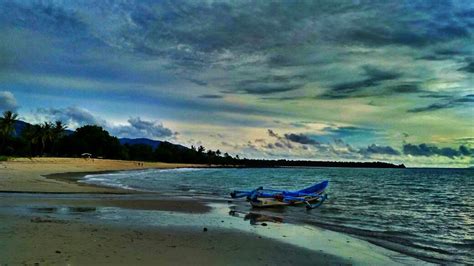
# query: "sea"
424, 213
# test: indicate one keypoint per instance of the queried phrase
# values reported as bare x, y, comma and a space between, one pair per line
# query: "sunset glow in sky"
319, 80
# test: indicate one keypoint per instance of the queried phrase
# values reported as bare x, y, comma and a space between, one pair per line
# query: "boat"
312, 196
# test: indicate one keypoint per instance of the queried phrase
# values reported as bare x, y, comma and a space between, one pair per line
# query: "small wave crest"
180, 170
107, 183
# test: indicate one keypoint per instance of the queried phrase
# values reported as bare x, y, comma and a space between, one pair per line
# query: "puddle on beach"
255, 218
62, 210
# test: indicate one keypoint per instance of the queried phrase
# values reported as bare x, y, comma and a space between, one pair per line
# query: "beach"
56, 221
28, 174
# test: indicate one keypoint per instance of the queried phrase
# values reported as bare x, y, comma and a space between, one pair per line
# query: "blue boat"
312, 196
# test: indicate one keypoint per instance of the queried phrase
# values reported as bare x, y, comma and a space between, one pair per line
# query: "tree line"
52, 139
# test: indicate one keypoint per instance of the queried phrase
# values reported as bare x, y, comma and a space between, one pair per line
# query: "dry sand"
28, 175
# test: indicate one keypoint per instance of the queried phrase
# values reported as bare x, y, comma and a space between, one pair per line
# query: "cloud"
269, 47
187, 57
7, 101
465, 140
262, 88
466, 151
72, 116
260, 49
468, 68
48, 17
451, 102
211, 96
281, 141
444, 54
269, 84
300, 138
343, 132
143, 128
272, 133
375, 149
428, 150
405, 88
75, 117
373, 78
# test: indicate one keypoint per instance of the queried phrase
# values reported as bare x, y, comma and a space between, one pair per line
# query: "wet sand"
68, 242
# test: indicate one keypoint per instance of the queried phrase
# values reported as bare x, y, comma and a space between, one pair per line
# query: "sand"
57, 221
67, 242
28, 175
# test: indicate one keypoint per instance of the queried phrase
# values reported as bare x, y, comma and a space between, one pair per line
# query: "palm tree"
201, 149
57, 133
32, 134
46, 135
40, 136
7, 127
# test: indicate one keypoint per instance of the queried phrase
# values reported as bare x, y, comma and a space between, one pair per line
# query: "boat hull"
272, 202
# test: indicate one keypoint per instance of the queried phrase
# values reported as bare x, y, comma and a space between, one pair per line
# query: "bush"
3, 158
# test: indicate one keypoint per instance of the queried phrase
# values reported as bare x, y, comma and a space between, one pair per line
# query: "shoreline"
42, 175
44, 224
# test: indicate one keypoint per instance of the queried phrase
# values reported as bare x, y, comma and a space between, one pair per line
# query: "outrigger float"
312, 196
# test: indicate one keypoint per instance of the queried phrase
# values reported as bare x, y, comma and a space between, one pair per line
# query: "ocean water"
425, 213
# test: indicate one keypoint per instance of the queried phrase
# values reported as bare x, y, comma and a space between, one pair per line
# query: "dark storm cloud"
446, 104
300, 138
428, 150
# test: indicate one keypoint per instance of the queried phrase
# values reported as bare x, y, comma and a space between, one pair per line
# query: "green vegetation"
50, 139
7, 128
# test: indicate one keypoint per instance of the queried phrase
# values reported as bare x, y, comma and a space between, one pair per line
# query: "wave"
106, 183
180, 170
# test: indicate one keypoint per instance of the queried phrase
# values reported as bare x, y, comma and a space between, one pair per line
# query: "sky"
321, 80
